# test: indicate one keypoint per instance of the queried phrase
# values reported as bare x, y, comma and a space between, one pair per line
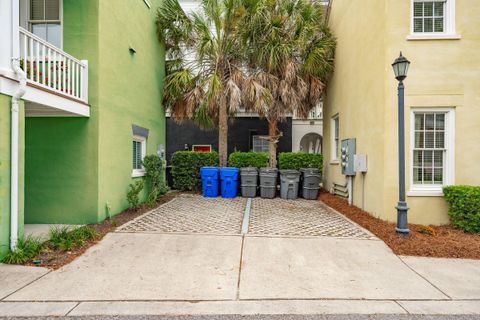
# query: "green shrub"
65, 238
133, 193
59, 237
464, 206
248, 159
299, 160
186, 168
154, 171
85, 233
27, 249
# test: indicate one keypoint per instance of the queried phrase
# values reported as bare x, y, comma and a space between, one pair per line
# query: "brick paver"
192, 214
195, 214
300, 218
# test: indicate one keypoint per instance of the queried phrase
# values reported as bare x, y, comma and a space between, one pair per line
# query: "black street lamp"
400, 68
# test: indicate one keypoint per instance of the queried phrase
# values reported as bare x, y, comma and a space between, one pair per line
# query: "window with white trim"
335, 140
260, 143
44, 20
432, 17
139, 150
432, 149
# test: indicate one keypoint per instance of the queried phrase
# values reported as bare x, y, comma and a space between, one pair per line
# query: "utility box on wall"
360, 163
348, 156
161, 151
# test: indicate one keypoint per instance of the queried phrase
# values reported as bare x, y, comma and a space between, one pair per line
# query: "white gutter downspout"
22, 78
14, 153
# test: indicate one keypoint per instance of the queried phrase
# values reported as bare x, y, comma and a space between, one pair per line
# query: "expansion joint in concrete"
421, 276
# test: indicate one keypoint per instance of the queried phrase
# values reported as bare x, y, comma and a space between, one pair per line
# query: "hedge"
464, 206
299, 160
186, 168
248, 159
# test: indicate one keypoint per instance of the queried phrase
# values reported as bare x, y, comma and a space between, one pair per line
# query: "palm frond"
202, 118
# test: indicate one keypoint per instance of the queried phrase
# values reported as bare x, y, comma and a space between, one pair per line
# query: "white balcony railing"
49, 67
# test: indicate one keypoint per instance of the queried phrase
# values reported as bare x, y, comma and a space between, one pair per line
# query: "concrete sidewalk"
198, 256
155, 274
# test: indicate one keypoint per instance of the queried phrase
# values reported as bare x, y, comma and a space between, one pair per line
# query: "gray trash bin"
289, 180
310, 183
248, 180
268, 182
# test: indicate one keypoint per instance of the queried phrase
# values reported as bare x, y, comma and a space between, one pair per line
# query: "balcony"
315, 114
48, 68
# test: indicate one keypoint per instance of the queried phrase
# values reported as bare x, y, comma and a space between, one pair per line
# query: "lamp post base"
402, 223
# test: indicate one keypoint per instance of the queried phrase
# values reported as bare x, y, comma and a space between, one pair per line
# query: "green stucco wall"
75, 167
62, 152
131, 87
5, 127
61, 171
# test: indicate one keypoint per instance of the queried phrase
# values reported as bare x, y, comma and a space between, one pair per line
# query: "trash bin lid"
228, 172
229, 169
310, 170
289, 171
209, 169
268, 170
248, 169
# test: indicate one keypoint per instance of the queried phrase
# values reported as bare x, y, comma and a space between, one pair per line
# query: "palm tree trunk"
272, 142
223, 135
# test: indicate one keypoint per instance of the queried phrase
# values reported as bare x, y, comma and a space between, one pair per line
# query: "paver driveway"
265, 217
192, 214
195, 249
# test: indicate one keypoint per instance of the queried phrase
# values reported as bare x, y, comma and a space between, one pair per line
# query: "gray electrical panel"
348, 157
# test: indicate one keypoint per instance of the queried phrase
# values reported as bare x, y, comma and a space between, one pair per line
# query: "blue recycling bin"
209, 177
229, 182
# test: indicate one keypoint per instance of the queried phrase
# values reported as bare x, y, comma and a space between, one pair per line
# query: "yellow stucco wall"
356, 94
443, 73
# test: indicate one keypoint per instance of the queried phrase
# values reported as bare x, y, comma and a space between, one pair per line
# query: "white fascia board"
45, 98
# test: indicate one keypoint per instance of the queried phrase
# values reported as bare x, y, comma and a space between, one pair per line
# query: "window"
45, 20
139, 148
335, 133
433, 18
260, 143
429, 16
432, 150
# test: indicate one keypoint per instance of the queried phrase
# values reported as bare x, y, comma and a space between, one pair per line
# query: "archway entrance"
311, 143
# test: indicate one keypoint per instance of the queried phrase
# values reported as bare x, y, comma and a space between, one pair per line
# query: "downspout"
327, 15
14, 153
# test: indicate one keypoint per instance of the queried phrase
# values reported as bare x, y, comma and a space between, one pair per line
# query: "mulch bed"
444, 241
57, 259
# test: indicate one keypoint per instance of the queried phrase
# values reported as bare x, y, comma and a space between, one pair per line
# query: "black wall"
240, 131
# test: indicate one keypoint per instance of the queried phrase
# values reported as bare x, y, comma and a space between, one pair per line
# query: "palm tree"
290, 52
204, 73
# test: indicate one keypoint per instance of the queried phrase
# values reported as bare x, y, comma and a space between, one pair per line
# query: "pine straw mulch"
443, 241
57, 259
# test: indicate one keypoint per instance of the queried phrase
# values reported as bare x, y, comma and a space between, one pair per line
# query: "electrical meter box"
348, 157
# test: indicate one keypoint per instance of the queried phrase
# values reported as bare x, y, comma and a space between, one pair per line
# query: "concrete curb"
258, 307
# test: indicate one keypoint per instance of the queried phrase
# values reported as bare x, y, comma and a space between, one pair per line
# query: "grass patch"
64, 238
27, 249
